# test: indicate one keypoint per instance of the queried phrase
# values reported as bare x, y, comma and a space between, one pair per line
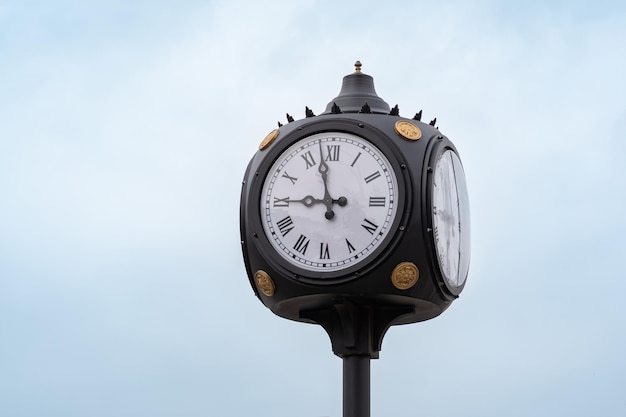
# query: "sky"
125, 131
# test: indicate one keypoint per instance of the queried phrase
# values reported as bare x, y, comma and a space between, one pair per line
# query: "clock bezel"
439, 145
365, 132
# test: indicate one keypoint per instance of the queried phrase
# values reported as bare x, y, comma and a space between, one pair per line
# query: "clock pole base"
356, 386
356, 331
356, 328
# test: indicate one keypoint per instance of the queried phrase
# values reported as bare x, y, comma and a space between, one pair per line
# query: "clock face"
450, 216
329, 202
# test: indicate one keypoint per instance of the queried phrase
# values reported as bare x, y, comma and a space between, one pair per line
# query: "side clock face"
450, 219
328, 202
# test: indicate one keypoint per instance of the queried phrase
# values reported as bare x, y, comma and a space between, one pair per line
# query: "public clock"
329, 203
450, 219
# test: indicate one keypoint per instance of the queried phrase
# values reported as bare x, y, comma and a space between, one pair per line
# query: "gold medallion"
264, 283
268, 139
407, 130
405, 275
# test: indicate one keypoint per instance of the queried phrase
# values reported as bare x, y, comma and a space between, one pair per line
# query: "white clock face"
329, 201
450, 210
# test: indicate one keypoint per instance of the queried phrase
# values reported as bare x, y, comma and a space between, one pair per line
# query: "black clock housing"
371, 293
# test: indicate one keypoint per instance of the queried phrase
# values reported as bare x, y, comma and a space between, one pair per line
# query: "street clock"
356, 211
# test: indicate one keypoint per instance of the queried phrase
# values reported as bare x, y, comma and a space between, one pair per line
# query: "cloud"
124, 134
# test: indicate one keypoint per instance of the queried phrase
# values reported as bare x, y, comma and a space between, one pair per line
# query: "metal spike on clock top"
358, 95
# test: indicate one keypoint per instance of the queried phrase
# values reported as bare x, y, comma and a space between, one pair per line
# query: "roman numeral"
350, 247
308, 159
285, 225
372, 177
333, 152
369, 226
284, 202
374, 201
324, 251
301, 244
292, 179
355, 159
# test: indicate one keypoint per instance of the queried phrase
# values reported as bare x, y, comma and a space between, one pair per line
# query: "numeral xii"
333, 152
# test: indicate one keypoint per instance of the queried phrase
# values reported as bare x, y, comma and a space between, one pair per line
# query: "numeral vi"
324, 251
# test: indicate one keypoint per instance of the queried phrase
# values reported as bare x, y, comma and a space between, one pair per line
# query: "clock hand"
328, 200
308, 201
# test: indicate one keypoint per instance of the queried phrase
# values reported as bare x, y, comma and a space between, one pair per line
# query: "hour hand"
308, 201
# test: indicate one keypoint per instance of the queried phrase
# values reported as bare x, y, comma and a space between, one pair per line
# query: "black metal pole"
356, 386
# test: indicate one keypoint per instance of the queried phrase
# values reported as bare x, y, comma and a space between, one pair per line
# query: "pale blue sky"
125, 130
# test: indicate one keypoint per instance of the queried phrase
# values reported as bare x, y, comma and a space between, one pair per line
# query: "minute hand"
327, 200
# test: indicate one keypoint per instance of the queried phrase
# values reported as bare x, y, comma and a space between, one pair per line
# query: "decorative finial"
356, 89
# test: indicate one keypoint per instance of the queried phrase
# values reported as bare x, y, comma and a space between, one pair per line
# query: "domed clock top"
357, 90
